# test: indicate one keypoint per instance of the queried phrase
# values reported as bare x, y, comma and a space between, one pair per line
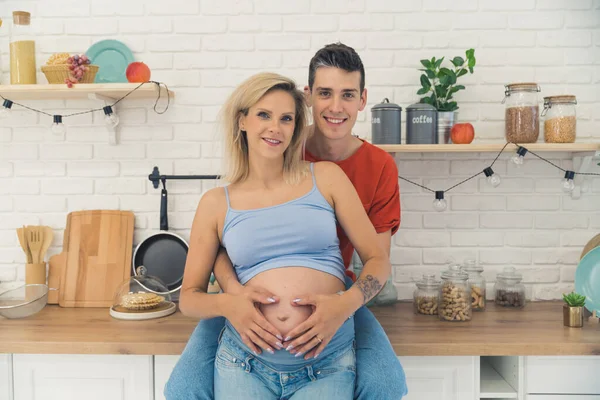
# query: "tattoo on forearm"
369, 286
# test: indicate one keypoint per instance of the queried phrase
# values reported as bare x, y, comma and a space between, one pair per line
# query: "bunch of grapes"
77, 65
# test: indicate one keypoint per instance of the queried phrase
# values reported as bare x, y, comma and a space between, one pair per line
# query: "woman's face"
270, 124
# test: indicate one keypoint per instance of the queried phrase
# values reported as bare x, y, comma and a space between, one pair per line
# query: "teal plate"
112, 57
587, 279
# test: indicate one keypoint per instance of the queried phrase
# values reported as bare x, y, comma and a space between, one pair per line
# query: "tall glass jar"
560, 121
477, 283
425, 296
508, 290
522, 111
22, 50
454, 301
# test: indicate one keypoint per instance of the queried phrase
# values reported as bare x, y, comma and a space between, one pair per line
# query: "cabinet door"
5, 377
562, 397
76, 377
440, 378
163, 365
562, 374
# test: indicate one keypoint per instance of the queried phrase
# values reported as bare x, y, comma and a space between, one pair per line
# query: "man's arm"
223, 270
385, 241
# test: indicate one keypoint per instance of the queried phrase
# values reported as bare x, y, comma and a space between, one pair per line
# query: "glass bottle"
477, 283
22, 50
560, 120
508, 290
522, 111
425, 296
454, 301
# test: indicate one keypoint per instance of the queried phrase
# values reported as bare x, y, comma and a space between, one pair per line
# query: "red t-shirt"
374, 174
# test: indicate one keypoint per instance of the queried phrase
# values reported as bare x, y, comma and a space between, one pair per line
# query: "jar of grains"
522, 111
425, 296
508, 290
559, 119
454, 302
477, 283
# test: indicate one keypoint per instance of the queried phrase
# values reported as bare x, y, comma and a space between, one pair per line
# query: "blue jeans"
379, 373
240, 375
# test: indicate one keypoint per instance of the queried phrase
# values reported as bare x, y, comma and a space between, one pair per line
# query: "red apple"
137, 72
462, 133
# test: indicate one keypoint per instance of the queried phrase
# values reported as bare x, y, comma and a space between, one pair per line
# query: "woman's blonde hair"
247, 95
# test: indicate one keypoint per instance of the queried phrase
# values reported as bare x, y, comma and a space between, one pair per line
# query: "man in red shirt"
336, 92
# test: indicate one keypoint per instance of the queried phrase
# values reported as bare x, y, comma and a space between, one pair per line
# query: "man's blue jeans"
379, 374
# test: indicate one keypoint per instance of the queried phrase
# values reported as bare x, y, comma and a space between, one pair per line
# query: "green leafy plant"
439, 83
574, 299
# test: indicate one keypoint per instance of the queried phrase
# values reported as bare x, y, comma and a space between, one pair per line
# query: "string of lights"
567, 184
110, 117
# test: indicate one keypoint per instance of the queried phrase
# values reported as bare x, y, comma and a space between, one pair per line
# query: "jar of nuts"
477, 283
559, 119
454, 301
425, 296
521, 116
508, 290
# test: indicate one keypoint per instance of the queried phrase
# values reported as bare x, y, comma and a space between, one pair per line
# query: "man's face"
335, 99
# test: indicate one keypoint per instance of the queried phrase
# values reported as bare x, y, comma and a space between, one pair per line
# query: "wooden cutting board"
96, 257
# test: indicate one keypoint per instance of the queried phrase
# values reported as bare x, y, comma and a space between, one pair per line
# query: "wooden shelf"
481, 148
493, 386
80, 91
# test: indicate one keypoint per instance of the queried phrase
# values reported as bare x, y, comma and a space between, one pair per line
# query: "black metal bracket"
155, 177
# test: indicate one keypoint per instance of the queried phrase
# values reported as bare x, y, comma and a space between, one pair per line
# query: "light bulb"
567, 183
58, 128
518, 158
492, 178
110, 118
439, 204
5, 111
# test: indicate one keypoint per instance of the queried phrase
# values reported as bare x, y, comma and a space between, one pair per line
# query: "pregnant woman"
277, 221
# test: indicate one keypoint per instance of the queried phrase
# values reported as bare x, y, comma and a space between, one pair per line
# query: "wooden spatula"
48, 235
23, 243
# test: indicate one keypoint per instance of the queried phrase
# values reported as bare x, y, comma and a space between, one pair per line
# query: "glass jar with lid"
477, 283
522, 111
560, 120
425, 296
22, 50
508, 290
454, 301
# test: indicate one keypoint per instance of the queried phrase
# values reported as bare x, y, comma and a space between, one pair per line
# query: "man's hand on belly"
243, 313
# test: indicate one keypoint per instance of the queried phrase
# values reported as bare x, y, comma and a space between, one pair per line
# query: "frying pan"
163, 254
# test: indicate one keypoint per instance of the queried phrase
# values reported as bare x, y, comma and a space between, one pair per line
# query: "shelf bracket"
112, 132
582, 162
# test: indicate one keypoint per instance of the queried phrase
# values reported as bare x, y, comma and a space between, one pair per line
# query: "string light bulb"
6, 108
519, 158
111, 119
58, 128
439, 204
492, 178
567, 184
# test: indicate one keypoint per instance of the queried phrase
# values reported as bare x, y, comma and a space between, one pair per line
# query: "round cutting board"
594, 242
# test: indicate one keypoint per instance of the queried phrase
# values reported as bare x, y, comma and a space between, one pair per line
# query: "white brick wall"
203, 48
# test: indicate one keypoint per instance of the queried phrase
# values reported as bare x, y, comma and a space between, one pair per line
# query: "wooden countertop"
535, 330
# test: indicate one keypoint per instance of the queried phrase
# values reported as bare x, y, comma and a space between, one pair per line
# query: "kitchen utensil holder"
155, 177
35, 273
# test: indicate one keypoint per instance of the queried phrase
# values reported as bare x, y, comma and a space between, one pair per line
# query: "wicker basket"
58, 73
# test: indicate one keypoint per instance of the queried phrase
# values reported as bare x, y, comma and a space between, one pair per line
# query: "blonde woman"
277, 221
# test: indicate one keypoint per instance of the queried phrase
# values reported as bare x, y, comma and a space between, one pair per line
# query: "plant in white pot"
439, 85
573, 310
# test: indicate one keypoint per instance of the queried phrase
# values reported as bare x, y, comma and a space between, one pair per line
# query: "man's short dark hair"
336, 55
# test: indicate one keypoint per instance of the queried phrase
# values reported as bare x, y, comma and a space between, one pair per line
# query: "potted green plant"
438, 83
573, 310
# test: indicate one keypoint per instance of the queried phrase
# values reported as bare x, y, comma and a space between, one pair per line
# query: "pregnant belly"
288, 284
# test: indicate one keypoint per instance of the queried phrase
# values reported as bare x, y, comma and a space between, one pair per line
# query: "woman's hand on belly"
242, 311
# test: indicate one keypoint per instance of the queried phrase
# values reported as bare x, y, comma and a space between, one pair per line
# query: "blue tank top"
301, 233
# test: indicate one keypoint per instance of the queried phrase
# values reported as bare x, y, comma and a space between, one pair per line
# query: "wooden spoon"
48, 234
23, 243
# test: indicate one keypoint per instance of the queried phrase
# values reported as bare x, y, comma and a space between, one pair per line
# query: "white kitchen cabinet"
440, 378
76, 377
5, 377
572, 375
163, 365
562, 397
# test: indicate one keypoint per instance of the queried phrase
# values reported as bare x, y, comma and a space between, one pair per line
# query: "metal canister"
386, 123
421, 124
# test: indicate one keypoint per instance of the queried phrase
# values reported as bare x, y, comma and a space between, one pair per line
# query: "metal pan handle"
164, 219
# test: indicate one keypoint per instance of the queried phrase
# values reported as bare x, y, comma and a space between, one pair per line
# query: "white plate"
142, 315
